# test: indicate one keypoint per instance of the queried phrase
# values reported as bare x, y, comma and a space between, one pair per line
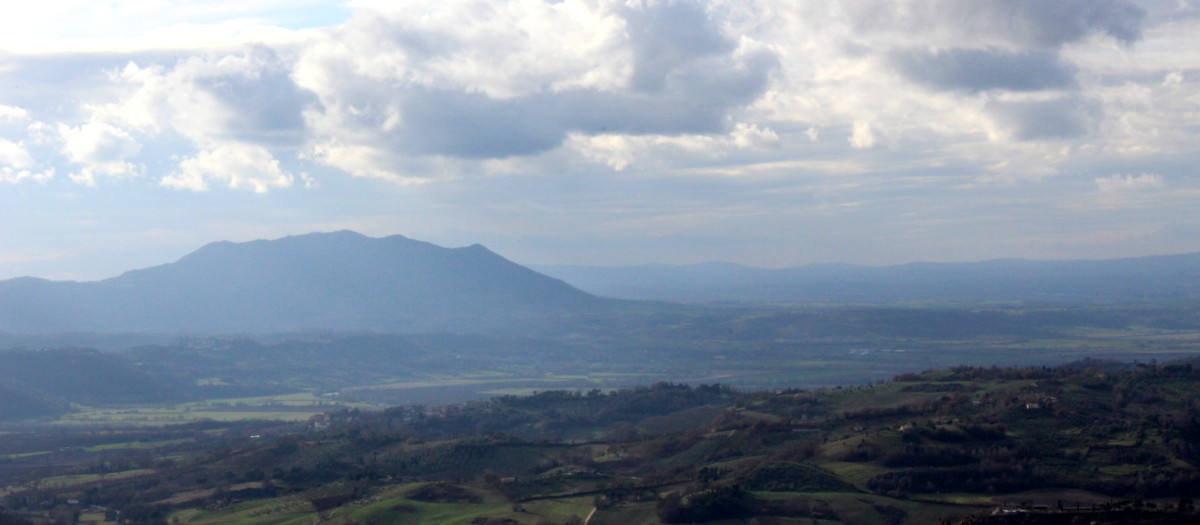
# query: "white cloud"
490, 80
15, 155
208, 99
751, 136
619, 152
231, 108
365, 161
975, 76
13, 114
16, 164
411, 92
102, 149
238, 166
863, 136
1118, 185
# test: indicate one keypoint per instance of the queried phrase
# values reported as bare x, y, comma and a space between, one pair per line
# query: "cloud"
231, 108
16, 164
14, 154
1054, 23
974, 70
412, 92
415, 91
519, 78
13, 114
247, 97
1119, 185
103, 149
667, 36
1057, 118
619, 152
239, 166
996, 51
863, 136
751, 136
1016, 23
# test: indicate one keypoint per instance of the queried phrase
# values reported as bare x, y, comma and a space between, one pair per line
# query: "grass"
1048, 496
527, 391
25, 454
559, 510
465, 381
636, 514
403, 511
290, 407
136, 445
276, 511
166, 416
859, 509
390, 505
856, 474
959, 498
79, 479
94, 517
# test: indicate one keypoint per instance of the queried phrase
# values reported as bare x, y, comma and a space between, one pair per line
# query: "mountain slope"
341, 280
83, 376
1155, 278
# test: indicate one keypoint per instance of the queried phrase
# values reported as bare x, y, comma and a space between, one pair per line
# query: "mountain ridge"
1144, 278
340, 280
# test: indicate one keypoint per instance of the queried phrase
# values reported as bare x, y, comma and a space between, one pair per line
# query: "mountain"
338, 281
1153, 278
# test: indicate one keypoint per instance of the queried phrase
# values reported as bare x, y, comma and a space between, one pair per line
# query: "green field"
288, 407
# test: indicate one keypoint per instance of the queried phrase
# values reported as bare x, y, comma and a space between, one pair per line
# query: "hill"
1154, 278
1091, 442
18, 402
51, 382
339, 281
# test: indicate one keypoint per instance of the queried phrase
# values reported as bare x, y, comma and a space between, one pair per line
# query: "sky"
771, 133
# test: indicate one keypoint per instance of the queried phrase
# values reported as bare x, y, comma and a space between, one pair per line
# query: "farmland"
1090, 440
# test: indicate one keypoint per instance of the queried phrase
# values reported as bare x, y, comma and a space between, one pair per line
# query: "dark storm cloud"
976, 70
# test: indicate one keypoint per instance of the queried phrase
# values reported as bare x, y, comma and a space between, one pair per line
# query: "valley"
535, 403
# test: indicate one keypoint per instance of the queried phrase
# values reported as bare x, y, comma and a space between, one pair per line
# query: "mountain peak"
339, 280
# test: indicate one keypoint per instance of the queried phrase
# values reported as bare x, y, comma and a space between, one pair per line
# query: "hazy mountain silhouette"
341, 281
1154, 278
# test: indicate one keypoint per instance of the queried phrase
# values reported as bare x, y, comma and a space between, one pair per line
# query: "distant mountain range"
346, 281
339, 281
1154, 278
